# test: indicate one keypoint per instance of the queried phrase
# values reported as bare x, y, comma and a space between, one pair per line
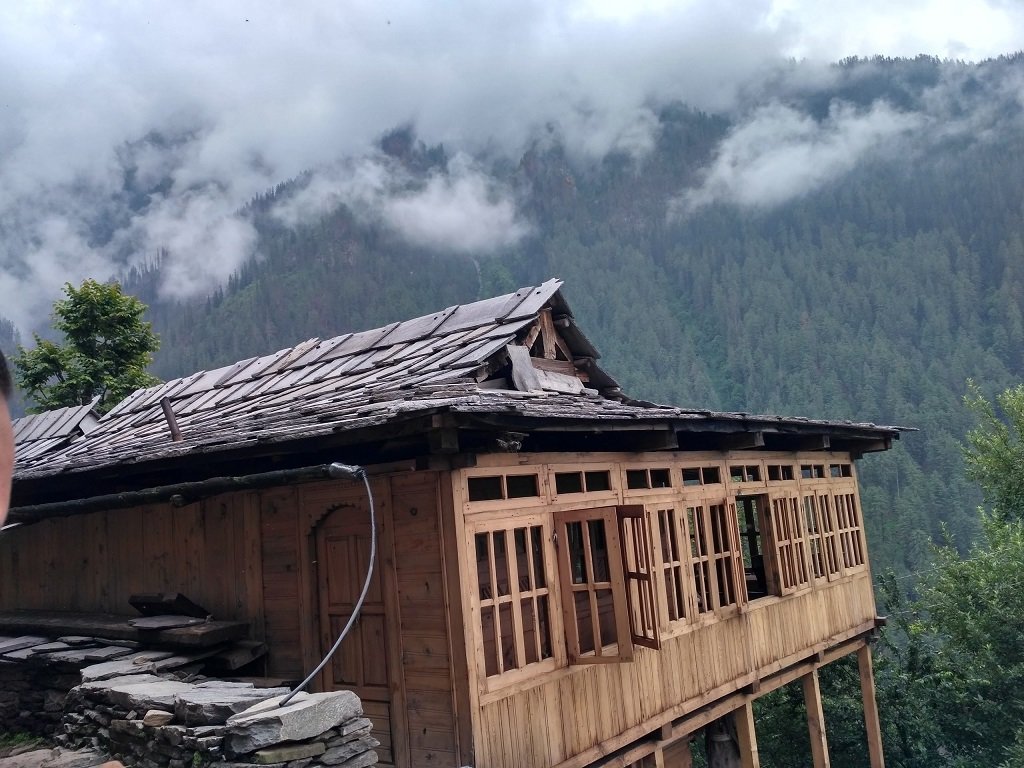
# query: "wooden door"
361, 664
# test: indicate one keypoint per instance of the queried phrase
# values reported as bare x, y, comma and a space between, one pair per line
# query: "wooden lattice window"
648, 478
745, 473
514, 598
715, 556
593, 586
814, 537
589, 481
495, 487
788, 538
780, 472
700, 558
675, 573
710, 475
639, 572
727, 556
829, 540
851, 542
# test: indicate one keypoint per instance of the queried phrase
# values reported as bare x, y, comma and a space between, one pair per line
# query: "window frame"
512, 675
622, 650
678, 569
789, 541
701, 548
850, 537
640, 574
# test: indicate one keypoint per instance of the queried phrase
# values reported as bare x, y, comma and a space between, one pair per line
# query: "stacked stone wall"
152, 709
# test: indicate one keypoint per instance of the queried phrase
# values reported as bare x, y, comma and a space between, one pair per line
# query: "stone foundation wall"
154, 710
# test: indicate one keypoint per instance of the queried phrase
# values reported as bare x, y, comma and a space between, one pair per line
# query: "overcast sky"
246, 94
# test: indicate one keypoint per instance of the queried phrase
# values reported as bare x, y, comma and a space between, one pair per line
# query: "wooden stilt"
746, 737
656, 760
721, 743
867, 691
678, 754
815, 720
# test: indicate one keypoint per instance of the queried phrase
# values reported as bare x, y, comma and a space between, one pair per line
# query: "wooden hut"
565, 577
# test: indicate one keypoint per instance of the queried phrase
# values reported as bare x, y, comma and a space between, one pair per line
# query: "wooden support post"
815, 720
678, 754
654, 760
871, 723
746, 737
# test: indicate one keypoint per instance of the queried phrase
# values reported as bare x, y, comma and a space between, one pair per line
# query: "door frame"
316, 502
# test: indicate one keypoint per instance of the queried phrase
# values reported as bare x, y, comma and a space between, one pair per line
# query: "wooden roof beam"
814, 443
870, 447
443, 438
741, 441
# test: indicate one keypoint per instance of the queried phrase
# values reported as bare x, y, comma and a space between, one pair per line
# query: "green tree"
107, 348
952, 666
995, 454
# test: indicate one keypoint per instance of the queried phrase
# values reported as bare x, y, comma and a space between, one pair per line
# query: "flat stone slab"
165, 622
100, 685
17, 643
53, 758
139, 692
364, 760
140, 661
213, 705
307, 715
77, 640
106, 653
284, 754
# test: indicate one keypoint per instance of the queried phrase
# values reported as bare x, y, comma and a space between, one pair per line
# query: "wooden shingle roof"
455, 361
41, 433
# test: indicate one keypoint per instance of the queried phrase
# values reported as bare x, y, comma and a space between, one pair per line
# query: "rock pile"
150, 722
152, 708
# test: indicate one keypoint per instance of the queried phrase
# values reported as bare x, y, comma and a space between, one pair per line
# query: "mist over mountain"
839, 241
847, 245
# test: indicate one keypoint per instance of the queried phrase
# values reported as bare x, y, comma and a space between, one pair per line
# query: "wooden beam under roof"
740, 441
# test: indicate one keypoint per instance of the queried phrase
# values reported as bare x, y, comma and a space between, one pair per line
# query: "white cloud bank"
780, 153
131, 127
460, 210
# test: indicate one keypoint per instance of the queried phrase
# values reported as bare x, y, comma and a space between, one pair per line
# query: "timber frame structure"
567, 577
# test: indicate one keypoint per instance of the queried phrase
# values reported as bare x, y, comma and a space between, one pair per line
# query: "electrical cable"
348, 471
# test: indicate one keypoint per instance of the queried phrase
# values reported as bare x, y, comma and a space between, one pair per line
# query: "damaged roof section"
40, 433
516, 361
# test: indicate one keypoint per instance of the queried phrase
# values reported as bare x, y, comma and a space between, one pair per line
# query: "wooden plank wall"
787, 627
281, 585
578, 708
241, 556
426, 666
95, 562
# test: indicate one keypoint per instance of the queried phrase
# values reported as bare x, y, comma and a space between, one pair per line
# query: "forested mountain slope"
872, 292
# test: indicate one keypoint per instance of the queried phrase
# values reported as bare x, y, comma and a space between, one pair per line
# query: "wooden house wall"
571, 714
423, 617
412, 571
251, 557
208, 551
579, 708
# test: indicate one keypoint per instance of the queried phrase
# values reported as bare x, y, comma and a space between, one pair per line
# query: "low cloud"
460, 208
207, 241
779, 153
127, 128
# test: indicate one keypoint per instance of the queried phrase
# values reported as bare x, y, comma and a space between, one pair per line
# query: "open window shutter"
592, 586
737, 555
638, 568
